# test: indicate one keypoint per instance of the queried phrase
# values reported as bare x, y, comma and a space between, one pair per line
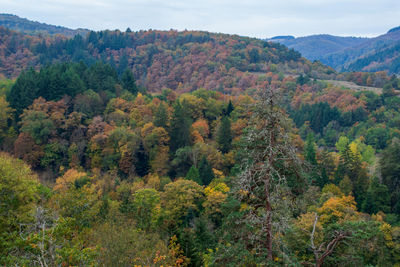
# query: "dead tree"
262, 184
325, 249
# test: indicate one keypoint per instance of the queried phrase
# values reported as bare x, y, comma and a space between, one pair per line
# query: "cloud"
258, 18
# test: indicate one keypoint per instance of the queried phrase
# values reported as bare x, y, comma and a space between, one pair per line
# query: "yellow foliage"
355, 151
153, 181
215, 196
218, 173
338, 209
68, 179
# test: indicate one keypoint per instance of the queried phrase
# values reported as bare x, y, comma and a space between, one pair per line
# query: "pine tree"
224, 135
161, 116
309, 150
205, 171
229, 108
128, 82
142, 166
262, 184
193, 174
377, 198
180, 128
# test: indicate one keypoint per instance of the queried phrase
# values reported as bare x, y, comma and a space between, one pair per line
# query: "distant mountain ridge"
23, 25
380, 53
316, 46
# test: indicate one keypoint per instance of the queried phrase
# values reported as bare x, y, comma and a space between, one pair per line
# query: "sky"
255, 18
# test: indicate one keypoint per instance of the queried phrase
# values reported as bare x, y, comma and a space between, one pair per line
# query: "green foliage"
390, 167
18, 195
180, 128
377, 199
309, 150
128, 82
146, 208
206, 173
193, 174
161, 116
224, 135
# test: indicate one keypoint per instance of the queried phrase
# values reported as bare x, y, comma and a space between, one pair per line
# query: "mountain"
182, 61
350, 53
16, 23
315, 47
376, 54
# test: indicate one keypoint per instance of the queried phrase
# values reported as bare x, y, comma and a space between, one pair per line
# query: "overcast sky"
256, 18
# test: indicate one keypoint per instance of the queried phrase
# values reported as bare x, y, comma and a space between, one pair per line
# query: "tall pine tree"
205, 171
128, 82
224, 135
180, 128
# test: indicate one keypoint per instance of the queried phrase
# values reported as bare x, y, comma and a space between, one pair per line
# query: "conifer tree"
377, 198
193, 174
262, 185
142, 166
180, 128
309, 150
224, 135
205, 171
128, 82
229, 108
161, 116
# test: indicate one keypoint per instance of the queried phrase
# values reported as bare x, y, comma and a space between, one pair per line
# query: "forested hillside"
182, 61
316, 47
166, 148
350, 53
16, 23
111, 174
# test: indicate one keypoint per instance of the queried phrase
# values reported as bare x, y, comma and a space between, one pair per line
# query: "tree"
205, 171
24, 91
309, 150
390, 170
146, 207
193, 174
180, 127
377, 199
229, 108
6, 114
128, 82
18, 195
161, 116
224, 135
179, 198
262, 185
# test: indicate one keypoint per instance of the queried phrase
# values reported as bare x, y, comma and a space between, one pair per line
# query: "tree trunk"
269, 222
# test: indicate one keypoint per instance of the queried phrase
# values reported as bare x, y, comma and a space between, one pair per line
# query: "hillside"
350, 53
315, 47
19, 24
183, 61
187, 149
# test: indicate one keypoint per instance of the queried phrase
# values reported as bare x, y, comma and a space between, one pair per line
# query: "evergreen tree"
128, 82
377, 198
180, 128
205, 171
268, 160
161, 116
309, 150
24, 91
224, 135
229, 108
142, 166
390, 169
193, 174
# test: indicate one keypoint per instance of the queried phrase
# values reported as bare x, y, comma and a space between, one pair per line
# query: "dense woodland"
197, 149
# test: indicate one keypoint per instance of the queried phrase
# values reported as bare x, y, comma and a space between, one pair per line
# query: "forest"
186, 148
